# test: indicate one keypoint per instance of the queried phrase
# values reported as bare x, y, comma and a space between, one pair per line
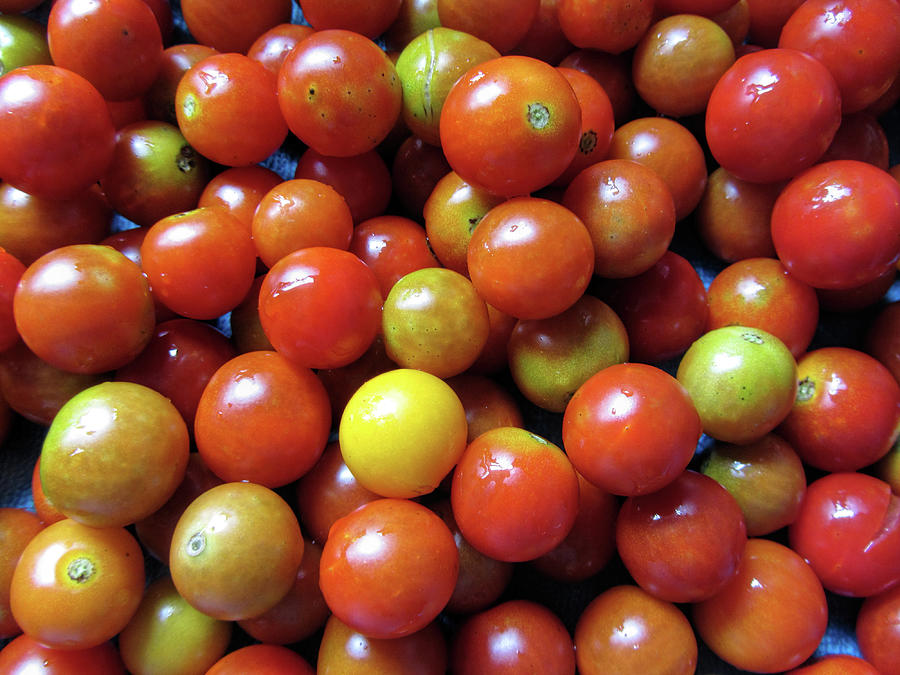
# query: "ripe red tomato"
877, 629
233, 25
368, 18
262, 659
26, 655
511, 125
17, 528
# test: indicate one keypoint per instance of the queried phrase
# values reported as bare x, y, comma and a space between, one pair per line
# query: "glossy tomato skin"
77, 285
263, 659
26, 655
116, 45
876, 629
320, 307
11, 270
363, 180
694, 515
846, 411
510, 125
607, 27
855, 39
388, 543
847, 530
227, 109
775, 582
77, 586
56, 133
239, 190
814, 212
176, 60
272, 47
235, 551
772, 114
17, 527
631, 429
339, 93
370, 19
627, 630
200, 263
502, 23
525, 513
531, 258
597, 122
513, 637
233, 25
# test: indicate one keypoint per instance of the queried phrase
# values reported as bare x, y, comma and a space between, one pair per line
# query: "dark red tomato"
531, 258
631, 429
77, 586
545, 39
262, 659
487, 404
153, 173
35, 389
761, 293
155, 531
735, 21
262, 419
590, 544
671, 150
605, 26
344, 650
613, 72
32, 226
388, 543
246, 330
178, 362
493, 357
327, 492
12, 6
734, 217
417, 168
297, 214
25, 655
848, 531
502, 23
233, 25
854, 39
679, 60
814, 212
11, 270
341, 383
392, 246
451, 212
860, 137
200, 263
767, 17
627, 630
775, 583
227, 109
846, 412
298, 614
481, 579
700, 7
127, 112
239, 190
115, 45
837, 664
772, 114
684, 542
56, 133
765, 477
364, 181
883, 338
77, 285
176, 61
320, 307
370, 18
17, 528
629, 212
339, 93
878, 629
514, 637
664, 309
272, 47
511, 125
514, 494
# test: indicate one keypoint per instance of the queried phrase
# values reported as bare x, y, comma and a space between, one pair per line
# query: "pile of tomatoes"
426, 336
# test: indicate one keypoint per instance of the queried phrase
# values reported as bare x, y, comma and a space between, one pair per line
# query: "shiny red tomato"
511, 125
262, 659
233, 25
25, 655
878, 629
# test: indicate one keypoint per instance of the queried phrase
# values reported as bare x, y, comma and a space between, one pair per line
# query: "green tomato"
22, 43
742, 381
166, 636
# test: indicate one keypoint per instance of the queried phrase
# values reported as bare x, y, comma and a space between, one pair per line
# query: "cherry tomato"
339, 93
364, 180
23, 42
233, 25
417, 168
530, 258
514, 494
239, 190
26, 655
605, 26
876, 629
320, 307
597, 123
371, 18
772, 114
510, 125
502, 23
402, 432
17, 528
77, 586
388, 543
263, 660
176, 61
272, 47
56, 133
262, 419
